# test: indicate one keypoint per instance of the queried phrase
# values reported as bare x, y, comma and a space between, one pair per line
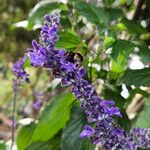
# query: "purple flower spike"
105, 130
18, 69
20, 73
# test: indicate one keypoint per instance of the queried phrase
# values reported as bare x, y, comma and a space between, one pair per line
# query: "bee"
75, 57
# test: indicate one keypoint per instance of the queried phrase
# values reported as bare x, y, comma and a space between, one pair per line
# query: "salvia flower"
105, 130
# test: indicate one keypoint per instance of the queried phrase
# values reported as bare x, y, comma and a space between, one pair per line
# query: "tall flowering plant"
102, 128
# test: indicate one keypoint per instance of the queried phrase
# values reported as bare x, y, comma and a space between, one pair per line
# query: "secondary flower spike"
100, 112
20, 73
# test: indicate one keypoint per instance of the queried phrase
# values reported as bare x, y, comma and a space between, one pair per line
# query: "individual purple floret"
87, 132
20, 73
99, 112
37, 54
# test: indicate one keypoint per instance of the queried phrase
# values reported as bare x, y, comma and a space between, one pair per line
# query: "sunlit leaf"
68, 40
25, 135
27, 63
2, 146
108, 41
22, 24
117, 66
54, 117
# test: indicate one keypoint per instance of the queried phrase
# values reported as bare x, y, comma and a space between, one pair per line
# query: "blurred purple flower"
20, 73
37, 104
39, 100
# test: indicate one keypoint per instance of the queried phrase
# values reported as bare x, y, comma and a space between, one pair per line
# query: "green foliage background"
109, 34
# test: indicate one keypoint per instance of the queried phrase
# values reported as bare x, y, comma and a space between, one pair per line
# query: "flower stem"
13, 119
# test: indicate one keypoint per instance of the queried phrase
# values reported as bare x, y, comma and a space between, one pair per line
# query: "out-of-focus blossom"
39, 96
37, 104
20, 73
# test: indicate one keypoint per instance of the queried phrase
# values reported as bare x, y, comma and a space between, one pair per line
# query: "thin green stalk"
13, 119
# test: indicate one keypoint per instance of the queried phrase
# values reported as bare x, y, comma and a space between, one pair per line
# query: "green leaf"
48, 145
54, 117
140, 77
97, 15
38, 145
68, 40
25, 135
54, 144
2, 146
102, 74
145, 54
42, 8
143, 119
133, 26
27, 63
70, 135
144, 51
117, 66
108, 41
20, 24
121, 47
120, 53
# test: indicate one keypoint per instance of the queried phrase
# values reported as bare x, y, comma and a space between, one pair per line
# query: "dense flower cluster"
105, 132
20, 73
141, 137
99, 112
